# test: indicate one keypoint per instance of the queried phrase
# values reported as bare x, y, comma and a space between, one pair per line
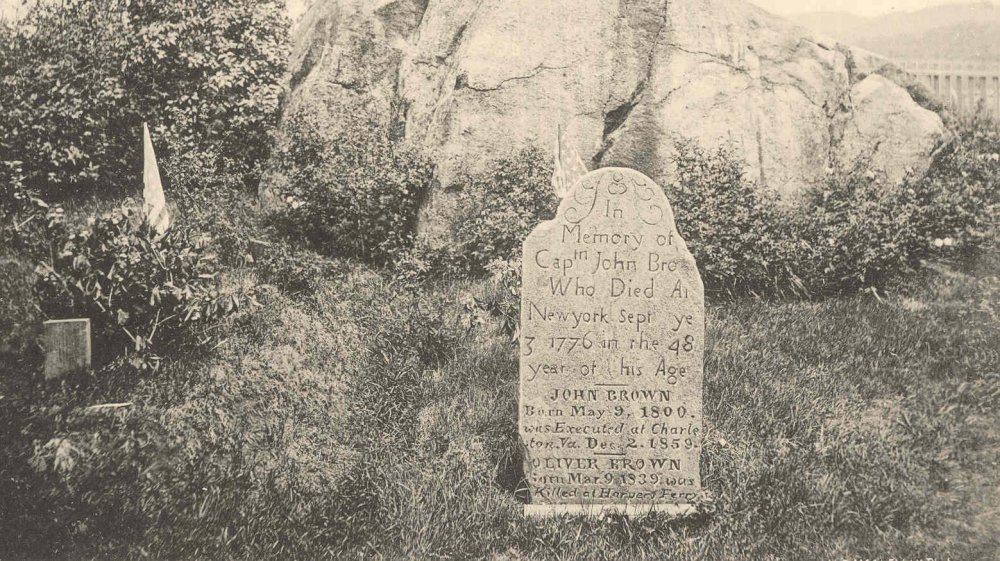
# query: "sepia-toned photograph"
500, 280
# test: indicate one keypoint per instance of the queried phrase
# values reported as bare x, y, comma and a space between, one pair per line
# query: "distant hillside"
970, 41
960, 31
838, 25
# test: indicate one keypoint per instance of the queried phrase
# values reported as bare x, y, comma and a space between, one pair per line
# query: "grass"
360, 420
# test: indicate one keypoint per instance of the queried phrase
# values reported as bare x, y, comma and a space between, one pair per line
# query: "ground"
366, 420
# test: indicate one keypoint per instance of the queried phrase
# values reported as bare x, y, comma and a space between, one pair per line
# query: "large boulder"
892, 140
472, 79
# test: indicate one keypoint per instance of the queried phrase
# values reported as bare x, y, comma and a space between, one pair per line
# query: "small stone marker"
67, 347
612, 352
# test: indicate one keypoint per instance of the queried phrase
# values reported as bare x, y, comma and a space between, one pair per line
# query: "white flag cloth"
568, 169
154, 203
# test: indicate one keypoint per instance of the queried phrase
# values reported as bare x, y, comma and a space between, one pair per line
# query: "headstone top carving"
609, 184
612, 344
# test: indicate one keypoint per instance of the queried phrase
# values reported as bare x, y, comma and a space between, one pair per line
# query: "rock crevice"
463, 79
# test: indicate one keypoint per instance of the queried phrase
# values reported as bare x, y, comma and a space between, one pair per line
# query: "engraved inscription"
612, 342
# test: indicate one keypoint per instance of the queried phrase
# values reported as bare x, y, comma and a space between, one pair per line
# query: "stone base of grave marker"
67, 347
612, 353
631, 510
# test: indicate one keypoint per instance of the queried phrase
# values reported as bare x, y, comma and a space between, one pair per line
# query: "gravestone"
67, 347
612, 346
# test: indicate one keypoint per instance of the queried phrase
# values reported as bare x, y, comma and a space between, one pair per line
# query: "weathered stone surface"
901, 138
612, 352
471, 79
67, 347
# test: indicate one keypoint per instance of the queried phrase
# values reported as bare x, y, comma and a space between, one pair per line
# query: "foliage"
24, 216
501, 204
24, 221
733, 227
963, 187
239, 236
294, 270
853, 232
79, 78
861, 232
352, 191
19, 324
58, 68
208, 73
502, 303
429, 259
145, 293
496, 207
217, 202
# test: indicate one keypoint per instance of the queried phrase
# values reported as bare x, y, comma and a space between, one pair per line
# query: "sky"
857, 7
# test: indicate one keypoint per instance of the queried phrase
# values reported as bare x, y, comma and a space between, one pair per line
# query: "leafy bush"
352, 191
853, 232
58, 69
79, 77
860, 232
502, 204
210, 73
734, 228
24, 216
144, 293
24, 220
217, 202
850, 233
503, 301
963, 188
295, 270
18, 318
496, 209
428, 260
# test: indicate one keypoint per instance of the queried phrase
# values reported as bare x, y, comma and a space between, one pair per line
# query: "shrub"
24, 219
859, 232
294, 270
210, 73
352, 191
24, 216
58, 71
428, 260
503, 301
144, 293
217, 202
79, 77
853, 232
734, 228
222, 208
963, 188
17, 314
501, 205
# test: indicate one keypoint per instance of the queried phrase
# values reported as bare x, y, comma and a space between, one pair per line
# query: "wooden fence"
960, 83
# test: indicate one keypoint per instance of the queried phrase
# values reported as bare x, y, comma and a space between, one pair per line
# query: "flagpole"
559, 141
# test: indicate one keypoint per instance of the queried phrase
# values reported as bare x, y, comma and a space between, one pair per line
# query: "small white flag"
569, 168
154, 202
